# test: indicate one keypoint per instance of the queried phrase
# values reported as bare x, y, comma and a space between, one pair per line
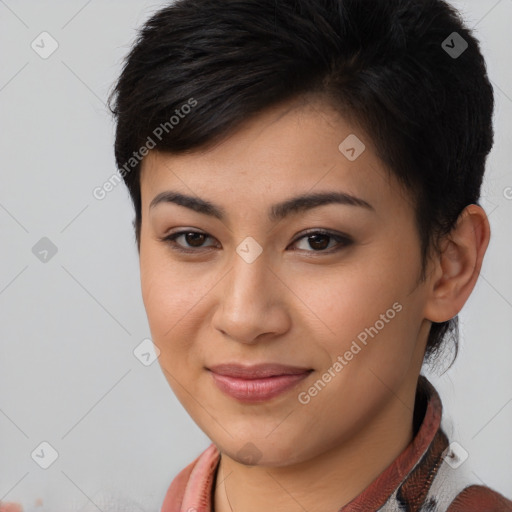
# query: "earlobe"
457, 267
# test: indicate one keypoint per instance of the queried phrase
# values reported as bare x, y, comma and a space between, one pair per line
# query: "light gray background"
68, 327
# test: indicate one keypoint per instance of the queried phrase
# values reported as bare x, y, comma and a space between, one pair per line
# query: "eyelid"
342, 239
170, 240
322, 231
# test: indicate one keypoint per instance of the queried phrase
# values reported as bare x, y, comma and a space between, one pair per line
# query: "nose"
252, 304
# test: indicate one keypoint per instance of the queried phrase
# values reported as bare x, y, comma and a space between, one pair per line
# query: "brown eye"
321, 241
192, 239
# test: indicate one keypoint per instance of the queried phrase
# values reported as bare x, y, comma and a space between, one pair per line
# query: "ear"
457, 267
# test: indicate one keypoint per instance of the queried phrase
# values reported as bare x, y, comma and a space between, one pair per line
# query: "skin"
298, 303
301, 307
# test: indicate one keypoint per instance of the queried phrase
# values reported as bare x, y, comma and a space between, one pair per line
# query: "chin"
252, 452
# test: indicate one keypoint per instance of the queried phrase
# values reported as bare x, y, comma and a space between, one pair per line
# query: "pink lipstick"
256, 383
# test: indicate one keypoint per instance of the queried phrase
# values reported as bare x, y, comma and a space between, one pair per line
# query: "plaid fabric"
428, 476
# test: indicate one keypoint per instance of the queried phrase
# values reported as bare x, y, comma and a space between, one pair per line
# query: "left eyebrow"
276, 212
305, 202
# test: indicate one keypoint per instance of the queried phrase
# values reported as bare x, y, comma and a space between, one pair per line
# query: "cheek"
172, 303
364, 312
167, 293
347, 299
176, 298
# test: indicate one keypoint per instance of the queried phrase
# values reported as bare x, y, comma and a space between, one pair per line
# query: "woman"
306, 176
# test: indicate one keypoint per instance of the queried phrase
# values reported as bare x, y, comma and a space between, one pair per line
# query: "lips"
258, 371
257, 383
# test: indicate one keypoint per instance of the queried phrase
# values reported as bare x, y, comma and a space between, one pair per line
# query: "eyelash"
343, 241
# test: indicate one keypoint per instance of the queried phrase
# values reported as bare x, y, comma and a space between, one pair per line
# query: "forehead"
296, 147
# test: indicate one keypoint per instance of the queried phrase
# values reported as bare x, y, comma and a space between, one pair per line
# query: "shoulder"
477, 498
176, 491
193, 484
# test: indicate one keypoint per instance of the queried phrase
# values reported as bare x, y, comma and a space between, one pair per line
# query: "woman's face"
254, 289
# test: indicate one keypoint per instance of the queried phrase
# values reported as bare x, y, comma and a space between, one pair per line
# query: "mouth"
256, 383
